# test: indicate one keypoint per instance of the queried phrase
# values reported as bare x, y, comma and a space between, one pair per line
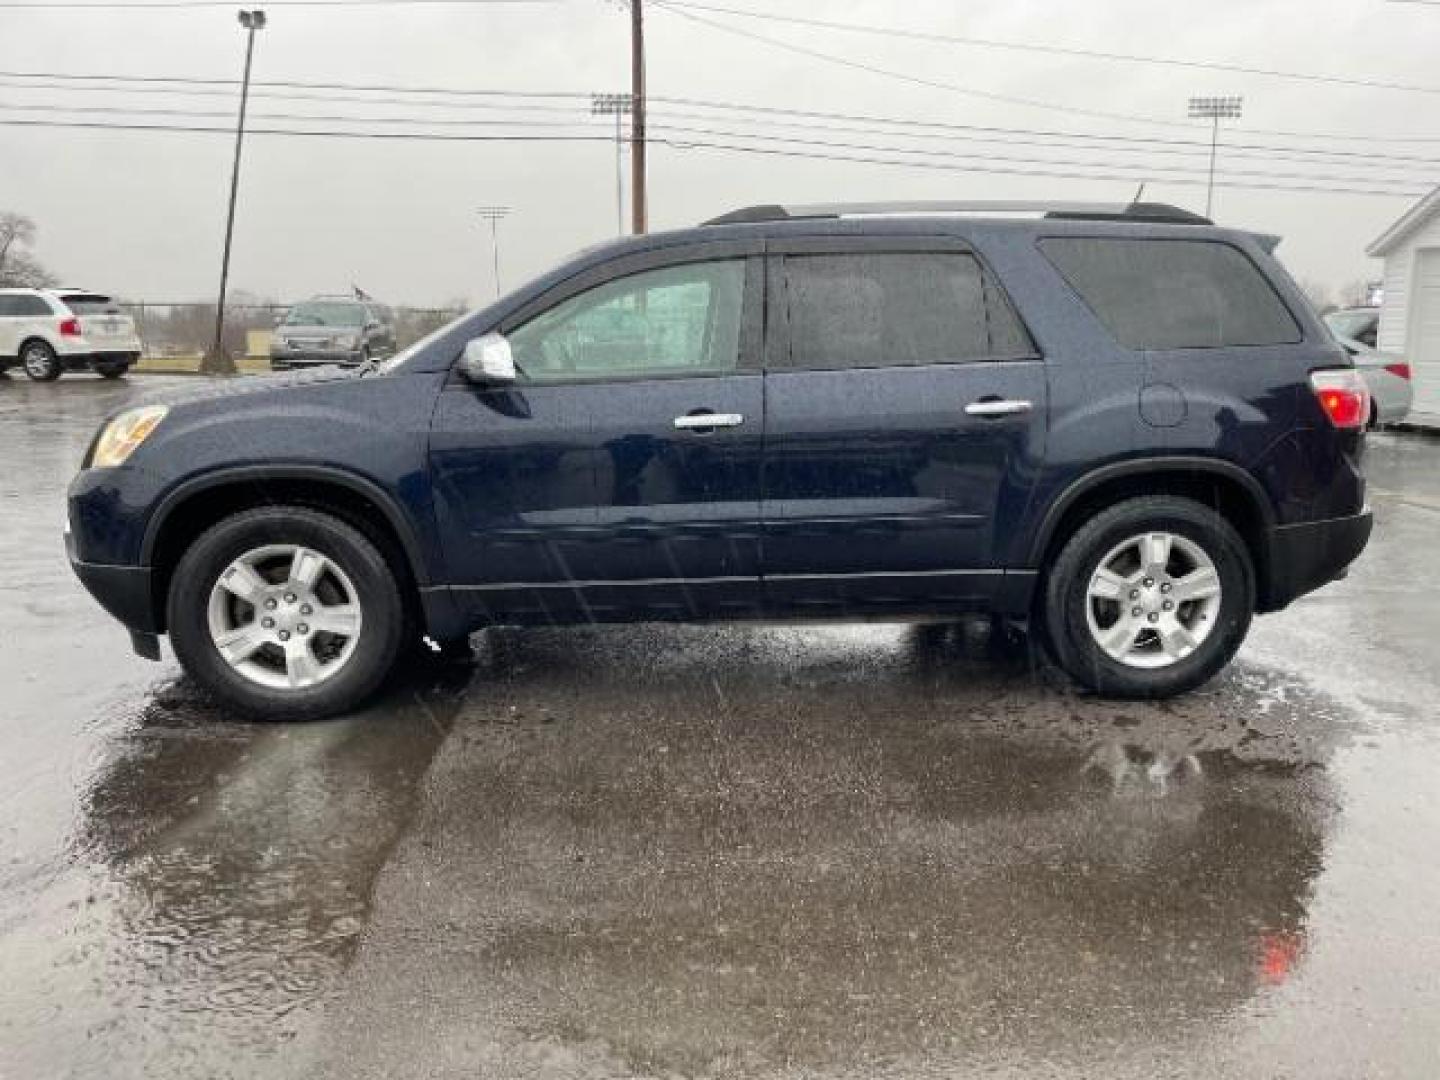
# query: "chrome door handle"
997, 407
692, 421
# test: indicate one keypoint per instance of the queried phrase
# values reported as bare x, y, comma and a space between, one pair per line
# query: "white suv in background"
47, 331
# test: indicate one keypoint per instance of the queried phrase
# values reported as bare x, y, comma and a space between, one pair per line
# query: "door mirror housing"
487, 361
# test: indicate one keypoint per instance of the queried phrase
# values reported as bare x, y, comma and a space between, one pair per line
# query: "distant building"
1410, 304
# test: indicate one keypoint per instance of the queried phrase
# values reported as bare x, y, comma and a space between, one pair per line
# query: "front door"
620, 477
905, 424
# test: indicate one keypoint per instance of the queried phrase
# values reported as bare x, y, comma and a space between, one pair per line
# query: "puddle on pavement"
219, 878
737, 852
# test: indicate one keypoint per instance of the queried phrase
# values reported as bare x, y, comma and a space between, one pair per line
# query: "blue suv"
1119, 424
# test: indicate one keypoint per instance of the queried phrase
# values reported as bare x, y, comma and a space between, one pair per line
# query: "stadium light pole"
618, 105
218, 361
493, 214
1214, 109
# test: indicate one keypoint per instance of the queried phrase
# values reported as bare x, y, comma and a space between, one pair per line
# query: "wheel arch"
1220, 485
195, 506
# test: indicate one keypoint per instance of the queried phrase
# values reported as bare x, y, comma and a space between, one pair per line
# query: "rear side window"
896, 309
1173, 294
24, 307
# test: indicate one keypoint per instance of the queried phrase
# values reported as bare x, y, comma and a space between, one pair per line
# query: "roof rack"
1072, 211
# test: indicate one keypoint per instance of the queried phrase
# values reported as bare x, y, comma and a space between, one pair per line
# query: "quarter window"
1173, 294
678, 320
23, 306
896, 309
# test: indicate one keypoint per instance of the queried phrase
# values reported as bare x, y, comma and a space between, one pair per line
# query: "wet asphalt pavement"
733, 851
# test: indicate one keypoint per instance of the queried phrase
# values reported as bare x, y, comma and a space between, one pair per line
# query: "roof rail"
1074, 211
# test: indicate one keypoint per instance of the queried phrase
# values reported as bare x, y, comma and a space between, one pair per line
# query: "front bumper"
124, 591
1304, 557
280, 361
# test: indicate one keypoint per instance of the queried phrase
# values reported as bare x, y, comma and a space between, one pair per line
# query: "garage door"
1424, 343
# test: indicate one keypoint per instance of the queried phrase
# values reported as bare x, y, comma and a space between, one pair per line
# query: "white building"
1410, 309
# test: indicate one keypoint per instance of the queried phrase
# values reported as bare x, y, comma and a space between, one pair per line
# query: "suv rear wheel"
1149, 598
285, 613
40, 362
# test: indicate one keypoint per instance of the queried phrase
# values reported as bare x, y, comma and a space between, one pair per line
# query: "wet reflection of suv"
332, 330
1118, 424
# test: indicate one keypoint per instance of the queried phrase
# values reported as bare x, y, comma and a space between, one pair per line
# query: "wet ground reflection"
222, 876
723, 851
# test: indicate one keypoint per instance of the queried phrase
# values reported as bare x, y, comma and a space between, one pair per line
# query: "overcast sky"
142, 213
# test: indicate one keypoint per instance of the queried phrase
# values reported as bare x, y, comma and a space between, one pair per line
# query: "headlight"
124, 434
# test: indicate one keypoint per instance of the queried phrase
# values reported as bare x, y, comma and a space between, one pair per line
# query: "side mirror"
372, 325
487, 361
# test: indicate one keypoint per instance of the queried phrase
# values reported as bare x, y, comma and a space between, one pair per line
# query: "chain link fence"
185, 331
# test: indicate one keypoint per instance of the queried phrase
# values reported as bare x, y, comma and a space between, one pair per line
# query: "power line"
1056, 50
704, 144
668, 118
1007, 99
182, 85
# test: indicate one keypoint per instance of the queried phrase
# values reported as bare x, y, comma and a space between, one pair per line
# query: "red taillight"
1343, 396
1402, 369
70, 328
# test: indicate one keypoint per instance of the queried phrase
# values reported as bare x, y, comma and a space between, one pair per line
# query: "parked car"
49, 331
1386, 374
1120, 424
332, 330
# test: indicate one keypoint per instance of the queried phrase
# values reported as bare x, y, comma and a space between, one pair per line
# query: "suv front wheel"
285, 613
1151, 597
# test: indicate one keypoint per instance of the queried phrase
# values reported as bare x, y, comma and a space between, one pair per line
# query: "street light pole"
619, 104
218, 361
493, 214
1213, 109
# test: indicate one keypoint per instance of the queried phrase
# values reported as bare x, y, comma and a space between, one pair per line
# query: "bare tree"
1318, 293
18, 267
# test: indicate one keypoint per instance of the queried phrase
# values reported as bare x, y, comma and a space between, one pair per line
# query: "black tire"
1065, 597
110, 369
375, 583
40, 362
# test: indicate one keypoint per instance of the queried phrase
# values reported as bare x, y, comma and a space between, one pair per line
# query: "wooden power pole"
637, 117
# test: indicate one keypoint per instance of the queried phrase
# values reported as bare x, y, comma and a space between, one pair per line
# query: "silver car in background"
332, 330
1386, 374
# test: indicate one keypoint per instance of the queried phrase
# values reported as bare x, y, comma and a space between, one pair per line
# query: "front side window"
896, 309
1173, 294
675, 321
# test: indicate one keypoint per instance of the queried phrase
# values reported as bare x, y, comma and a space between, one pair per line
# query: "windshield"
405, 354
326, 313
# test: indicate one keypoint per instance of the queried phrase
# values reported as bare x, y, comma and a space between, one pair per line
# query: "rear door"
905, 424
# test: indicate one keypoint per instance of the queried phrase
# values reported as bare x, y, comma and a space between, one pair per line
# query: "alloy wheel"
1153, 599
285, 616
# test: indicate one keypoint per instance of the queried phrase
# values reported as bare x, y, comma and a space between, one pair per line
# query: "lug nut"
285, 634
1165, 587
305, 609
270, 604
1168, 606
267, 623
1152, 617
1149, 583
1136, 612
302, 629
1134, 594
289, 597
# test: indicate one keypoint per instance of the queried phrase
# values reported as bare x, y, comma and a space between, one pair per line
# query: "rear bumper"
1304, 557
82, 361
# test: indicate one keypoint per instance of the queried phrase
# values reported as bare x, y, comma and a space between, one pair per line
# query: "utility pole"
218, 361
637, 117
493, 214
619, 105
1213, 109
